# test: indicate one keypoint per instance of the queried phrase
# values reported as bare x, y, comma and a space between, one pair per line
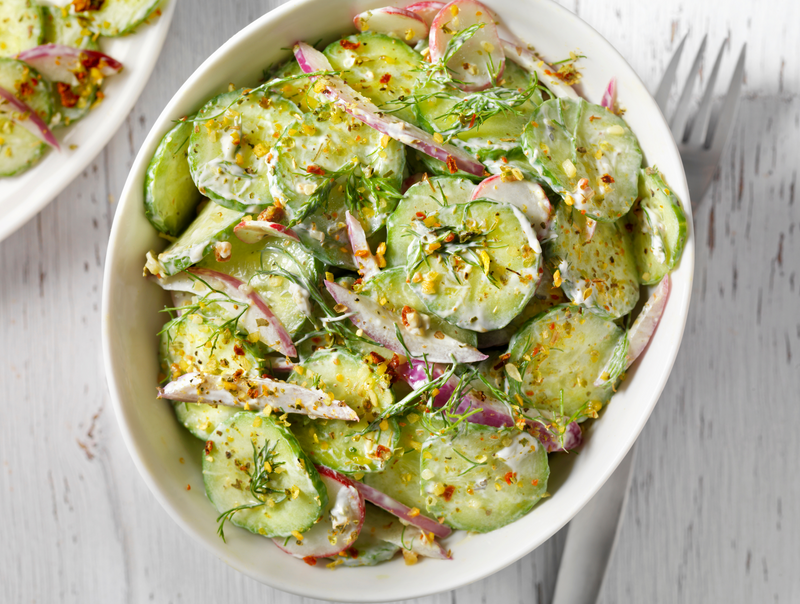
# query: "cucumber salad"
52, 70
405, 268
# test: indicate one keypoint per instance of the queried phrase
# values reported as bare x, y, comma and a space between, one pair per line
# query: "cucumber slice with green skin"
21, 26
369, 549
336, 443
247, 263
437, 167
400, 479
567, 141
189, 346
390, 289
486, 274
213, 224
289, 500
170, 196
659, 228
483, 479
425, 197
380, 67
599, 274
119, 17
317, 149
559, 355
19, 149
231, 145
299, 91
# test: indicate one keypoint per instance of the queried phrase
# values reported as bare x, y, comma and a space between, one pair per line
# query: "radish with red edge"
253, 231
609, 99
22, 115
479, 63
394, 507
379, 324
399, 22
339, 526
254, 393
258, 318
411, 539
532, 63
59, 63
361, 108
365, 261
639, 334
426, 10
528, 196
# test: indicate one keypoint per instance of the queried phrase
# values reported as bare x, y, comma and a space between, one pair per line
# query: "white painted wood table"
713, 513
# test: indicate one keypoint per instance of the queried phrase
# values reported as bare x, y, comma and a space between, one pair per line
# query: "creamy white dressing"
302, 298
342, 511
514, 454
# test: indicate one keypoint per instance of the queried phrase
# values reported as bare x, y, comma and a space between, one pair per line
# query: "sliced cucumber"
599, 274
299, 91
336, 443
170, 196
292, 496
333, 145
559, 355
248, 263
659, 228
192, 345
400, 479
483, 479
19, 149
488, 271
21, 26
213, 224
437, 167
231, 144
390, 289
424, 197
119, 17
568, 140
66, 28
380, 67
369, 549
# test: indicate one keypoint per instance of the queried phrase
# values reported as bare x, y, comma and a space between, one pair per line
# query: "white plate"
131, 319
23, 196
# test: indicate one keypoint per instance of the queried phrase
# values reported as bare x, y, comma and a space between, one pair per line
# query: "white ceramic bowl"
131, 319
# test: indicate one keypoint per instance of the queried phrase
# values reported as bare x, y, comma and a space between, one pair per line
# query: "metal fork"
701, 140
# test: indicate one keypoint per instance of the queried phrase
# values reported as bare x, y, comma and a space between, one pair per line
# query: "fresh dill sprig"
264, 465
473, 464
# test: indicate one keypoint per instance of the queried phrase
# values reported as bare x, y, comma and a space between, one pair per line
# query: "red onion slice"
400, 22
609, 99
530, 62
253, 231
255, 393
480, 61
258, 318
365, 261
58, 63
24, 116
340, 524
426, 10
379, 324
361, 108
391, 505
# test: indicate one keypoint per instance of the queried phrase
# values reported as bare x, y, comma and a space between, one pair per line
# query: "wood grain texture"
712, 515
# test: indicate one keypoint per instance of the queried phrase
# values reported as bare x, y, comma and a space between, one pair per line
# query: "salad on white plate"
405, 270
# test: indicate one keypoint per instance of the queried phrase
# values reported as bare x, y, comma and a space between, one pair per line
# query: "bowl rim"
136, 450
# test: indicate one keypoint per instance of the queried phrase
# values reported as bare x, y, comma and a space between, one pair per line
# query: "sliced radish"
336, 90
340, 524
255, 393
643, 327
258, 318
24, 116
405, 24
609, 99
426, 10
365, 261
528, 196
253, 231
405, 513
530, 62
480, 61
411, 538
59, 63
379, 324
